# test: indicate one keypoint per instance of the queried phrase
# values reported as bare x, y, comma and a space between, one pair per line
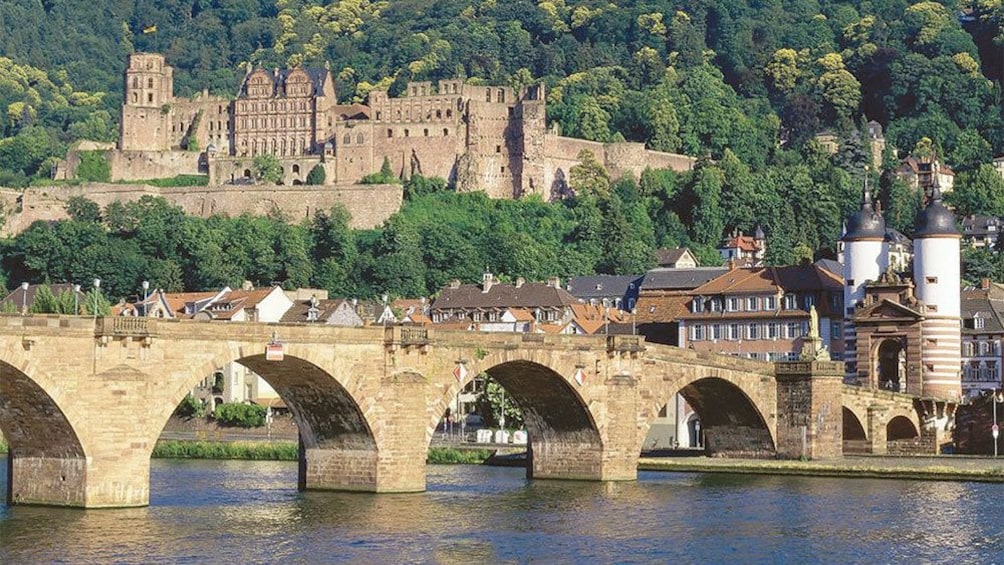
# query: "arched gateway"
83, 401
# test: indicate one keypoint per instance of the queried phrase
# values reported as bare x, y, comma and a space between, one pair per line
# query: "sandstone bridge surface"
83, 400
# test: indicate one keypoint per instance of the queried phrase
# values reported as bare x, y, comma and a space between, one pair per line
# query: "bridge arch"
901, 428
734, 407
48, 461
339, 444
853, 429
561, 429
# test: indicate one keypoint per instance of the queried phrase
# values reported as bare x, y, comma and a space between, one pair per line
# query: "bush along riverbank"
255, 451
3, 446
289, 451
454, 456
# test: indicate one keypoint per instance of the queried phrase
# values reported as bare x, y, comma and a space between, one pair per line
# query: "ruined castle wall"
619, 159
140, 165
239, 170
144, 128
370, 205
213, 127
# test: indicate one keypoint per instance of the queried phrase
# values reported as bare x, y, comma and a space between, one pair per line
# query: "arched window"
439, 114
135, 82
425, 132
449, 113
360, 138
407, 133
446, 132
149, 83
347, 139
390, 132
296, 169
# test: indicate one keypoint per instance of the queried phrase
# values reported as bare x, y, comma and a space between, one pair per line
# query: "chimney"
520, 281
246, 285
732, 263
554, 282
985, 284
486, 281
455, 284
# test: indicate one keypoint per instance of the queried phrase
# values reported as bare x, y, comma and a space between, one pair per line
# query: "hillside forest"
743, 86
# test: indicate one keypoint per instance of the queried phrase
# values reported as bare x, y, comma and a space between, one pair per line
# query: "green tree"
82, 209
266, 168
316, 175
498, 409
589, 177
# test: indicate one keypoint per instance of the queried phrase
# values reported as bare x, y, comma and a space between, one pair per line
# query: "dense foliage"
240, 415
744, 84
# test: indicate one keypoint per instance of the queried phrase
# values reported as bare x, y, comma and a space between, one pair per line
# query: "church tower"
936, 273
866, 256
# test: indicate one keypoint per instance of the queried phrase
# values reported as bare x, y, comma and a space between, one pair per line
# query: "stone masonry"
83, 401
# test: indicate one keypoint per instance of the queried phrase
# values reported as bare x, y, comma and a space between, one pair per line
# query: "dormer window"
978, 322
698, 305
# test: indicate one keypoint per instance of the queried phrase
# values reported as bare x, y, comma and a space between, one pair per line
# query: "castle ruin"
488, 138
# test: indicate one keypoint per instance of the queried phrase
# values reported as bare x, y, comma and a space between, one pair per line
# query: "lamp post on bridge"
24, 298
76, 300
97, 288
995, 431
146, 288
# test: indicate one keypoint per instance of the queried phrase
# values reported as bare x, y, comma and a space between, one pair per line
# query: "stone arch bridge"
83, 400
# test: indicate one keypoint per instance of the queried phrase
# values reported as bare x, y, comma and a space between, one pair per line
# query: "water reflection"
251, 511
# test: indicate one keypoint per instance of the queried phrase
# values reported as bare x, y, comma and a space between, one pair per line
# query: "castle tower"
936, 272
149, 87
866, 256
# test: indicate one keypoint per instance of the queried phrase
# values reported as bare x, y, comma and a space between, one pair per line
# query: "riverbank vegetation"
288, 451
263, 451
455, 456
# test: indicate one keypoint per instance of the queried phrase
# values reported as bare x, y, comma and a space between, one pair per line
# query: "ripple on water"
209, 511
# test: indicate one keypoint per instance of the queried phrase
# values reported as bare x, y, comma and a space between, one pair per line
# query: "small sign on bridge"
274, 351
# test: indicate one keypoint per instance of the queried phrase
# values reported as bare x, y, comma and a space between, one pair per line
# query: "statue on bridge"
812, 344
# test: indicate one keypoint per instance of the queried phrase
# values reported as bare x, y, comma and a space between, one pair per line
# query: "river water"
251, 512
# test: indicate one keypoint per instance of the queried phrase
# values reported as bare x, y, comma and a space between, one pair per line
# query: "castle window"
425, 132
149, 83
488, 95
446, 132
503, 169
347, 139
501, 95
407, 133
414, 91
390, 132
135, 97
449, 113
359, 138
931, 280
296, 169
149, 97
498, 148
211, 126
509, 111
247, 173
850, 282
135, 82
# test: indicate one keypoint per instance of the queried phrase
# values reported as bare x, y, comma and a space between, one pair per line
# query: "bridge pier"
809, 409
877, 433
585, 455
392, 461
